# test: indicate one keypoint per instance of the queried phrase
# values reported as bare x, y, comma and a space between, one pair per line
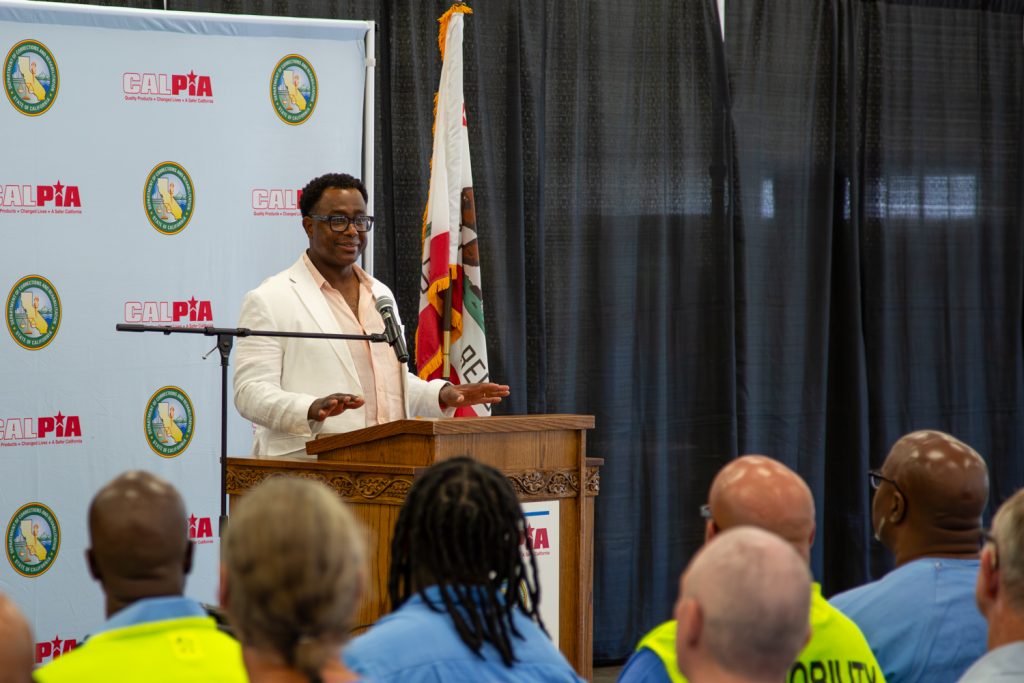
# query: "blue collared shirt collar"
154, 609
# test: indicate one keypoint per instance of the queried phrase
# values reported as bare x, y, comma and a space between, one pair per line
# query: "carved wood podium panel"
543, 457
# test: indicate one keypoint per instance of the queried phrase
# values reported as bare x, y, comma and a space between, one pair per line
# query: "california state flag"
451, 259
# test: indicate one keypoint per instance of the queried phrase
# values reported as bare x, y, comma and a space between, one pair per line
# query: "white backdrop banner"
151, 163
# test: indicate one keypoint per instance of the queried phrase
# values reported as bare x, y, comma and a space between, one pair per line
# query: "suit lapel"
316, 305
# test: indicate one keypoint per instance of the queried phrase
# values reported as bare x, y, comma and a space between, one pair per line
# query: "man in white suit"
294, 389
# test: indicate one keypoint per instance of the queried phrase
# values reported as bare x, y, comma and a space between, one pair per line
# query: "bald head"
758, 491
934, 499
16, 657
139, 534
743, 608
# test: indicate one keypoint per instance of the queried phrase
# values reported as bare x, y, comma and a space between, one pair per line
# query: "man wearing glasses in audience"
920, 619
1000, 594
294, 389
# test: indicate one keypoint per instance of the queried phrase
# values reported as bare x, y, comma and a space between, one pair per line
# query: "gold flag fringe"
442, 31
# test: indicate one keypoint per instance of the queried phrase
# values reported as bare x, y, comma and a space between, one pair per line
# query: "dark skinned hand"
462, 395
335, 404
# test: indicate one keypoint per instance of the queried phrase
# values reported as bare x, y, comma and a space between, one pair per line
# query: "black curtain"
879, 178
804, 243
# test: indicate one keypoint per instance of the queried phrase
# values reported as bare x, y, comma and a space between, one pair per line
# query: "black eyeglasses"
341, 223
875, 478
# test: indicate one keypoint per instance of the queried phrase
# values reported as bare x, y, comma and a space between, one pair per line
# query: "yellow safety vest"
837, 650
184, 650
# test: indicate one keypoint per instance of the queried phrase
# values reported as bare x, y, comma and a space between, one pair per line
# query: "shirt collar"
434, 598
154, 609
321, 281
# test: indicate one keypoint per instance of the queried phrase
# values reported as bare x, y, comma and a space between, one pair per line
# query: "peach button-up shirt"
379, 371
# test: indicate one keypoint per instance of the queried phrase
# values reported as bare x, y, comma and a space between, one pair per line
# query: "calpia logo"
275, 201
169, 198
538, 538
169, 422
33, 312
33, 539
56, 198
293, 89
52, 649
55, 430
536, 533
190, 88
31, 80
200, 530
190, 313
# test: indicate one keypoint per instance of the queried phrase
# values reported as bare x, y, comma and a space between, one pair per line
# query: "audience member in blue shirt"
465, 602
921, 619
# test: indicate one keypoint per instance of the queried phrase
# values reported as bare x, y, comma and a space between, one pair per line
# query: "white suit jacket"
277, 378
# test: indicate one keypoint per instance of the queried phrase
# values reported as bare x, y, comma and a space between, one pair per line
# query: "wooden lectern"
543, 456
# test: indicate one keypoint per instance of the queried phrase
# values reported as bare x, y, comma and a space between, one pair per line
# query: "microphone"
386, 308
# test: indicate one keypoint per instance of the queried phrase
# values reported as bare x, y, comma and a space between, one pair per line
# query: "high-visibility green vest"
836, 652
184, 650
662, 642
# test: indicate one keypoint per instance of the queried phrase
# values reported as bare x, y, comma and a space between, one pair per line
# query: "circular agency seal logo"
33, 539
293, 89
169, 198
33, 312
30, 77
169, 422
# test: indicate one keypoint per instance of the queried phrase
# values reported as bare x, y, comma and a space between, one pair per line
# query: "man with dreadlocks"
456, 570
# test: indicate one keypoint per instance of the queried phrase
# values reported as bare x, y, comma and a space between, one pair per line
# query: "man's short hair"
1008, 532
754, 591
316, 187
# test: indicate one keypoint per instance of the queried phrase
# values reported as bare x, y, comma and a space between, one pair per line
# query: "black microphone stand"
225, 340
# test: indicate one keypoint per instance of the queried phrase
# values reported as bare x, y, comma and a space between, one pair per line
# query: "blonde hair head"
294, 559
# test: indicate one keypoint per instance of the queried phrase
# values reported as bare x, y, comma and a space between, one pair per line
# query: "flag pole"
446, 327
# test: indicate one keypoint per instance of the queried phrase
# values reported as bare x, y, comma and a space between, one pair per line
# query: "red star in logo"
56, 643
58, 187
192, 522
60, 418
192, 77
192, 304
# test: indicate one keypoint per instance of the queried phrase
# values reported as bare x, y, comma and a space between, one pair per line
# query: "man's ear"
689, 623
187, 566
94, 567
897, 508
709, 530
986, 591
